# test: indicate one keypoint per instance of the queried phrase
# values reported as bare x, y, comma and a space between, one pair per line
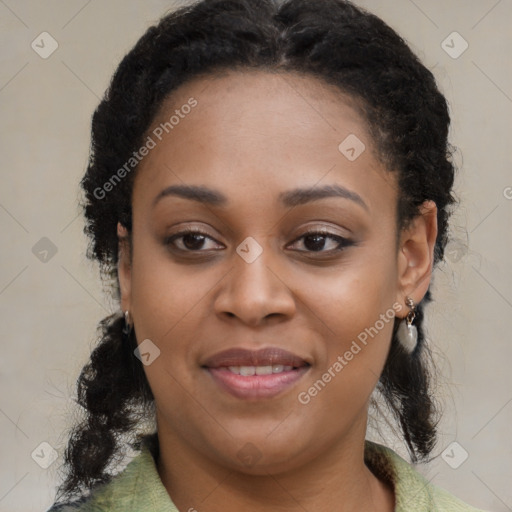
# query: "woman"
269, 189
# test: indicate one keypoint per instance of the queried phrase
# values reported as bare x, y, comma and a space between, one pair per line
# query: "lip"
255, 386
264, 357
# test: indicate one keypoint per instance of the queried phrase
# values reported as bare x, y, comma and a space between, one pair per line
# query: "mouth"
260, 374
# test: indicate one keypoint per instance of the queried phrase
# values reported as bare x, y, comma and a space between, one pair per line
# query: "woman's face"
266, 336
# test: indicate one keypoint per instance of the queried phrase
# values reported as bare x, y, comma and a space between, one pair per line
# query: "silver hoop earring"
127, 323
407, 333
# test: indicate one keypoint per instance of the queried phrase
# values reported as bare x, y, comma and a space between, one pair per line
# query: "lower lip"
256, 386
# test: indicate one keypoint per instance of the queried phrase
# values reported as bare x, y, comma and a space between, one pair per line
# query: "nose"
254, 292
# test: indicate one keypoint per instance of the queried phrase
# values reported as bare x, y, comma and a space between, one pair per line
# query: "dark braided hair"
332, 40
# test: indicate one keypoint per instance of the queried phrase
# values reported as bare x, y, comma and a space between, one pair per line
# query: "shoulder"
68, 507
137, 487
412, 490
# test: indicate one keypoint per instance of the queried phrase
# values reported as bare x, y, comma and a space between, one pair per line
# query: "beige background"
49, 310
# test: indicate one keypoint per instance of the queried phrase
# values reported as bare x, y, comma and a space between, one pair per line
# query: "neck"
336, 480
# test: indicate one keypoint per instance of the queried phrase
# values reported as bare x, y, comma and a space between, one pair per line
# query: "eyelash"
343, 243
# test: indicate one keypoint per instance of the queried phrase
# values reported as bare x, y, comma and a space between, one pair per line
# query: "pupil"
194, 245
317, 244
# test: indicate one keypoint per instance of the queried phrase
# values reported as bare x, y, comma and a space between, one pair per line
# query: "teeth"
263, 370
248, 371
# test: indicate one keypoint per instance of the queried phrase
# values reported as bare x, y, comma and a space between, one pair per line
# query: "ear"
124, 267
416, 255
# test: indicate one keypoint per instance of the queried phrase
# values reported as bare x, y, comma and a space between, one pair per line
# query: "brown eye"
191, 240
317, 241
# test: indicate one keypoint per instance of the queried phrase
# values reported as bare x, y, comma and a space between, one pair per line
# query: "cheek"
351, 298
360, 328
172, 308
167, 298
354, 312
167, 302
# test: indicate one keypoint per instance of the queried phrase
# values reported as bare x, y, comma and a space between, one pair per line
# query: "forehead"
234, 98
261, 130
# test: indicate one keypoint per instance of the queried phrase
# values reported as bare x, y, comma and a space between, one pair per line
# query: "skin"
252, 136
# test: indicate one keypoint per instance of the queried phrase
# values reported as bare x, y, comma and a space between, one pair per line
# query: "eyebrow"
294, 197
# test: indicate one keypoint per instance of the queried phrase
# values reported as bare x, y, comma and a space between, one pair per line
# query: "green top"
138, 487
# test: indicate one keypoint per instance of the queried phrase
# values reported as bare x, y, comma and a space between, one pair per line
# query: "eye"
195, 240
189, 240
318, 240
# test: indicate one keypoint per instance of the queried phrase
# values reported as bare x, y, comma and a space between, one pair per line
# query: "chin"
259, 457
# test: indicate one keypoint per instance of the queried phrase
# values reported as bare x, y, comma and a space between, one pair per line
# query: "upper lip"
264, 357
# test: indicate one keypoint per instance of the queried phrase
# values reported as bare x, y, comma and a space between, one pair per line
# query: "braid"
113, 390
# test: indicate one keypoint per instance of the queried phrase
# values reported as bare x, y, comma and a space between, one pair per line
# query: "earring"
127, 323
407, 333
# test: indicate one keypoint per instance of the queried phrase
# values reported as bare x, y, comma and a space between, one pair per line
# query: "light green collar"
412, 490
139, 487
